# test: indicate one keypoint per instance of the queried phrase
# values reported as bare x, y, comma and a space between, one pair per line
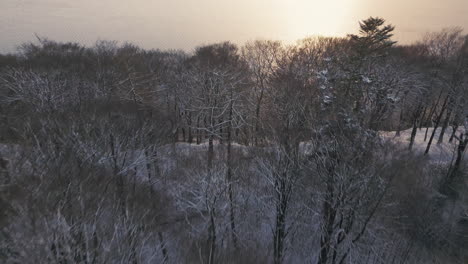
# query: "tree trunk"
454, 128
4, 174
329, 215
229, 175
423, 115
431, 113
210, 152
445, 124
120, 178
280, 231
162, 245
183, 134
221, 132
413, 134
425, 134
257, 117
399, 124
444, 106
211, 239
190, 135
460, 152
198, 131
148, 171
415, 125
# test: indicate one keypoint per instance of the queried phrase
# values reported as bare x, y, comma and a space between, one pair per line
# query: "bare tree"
262, 58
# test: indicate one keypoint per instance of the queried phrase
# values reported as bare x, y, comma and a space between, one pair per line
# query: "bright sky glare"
184, 24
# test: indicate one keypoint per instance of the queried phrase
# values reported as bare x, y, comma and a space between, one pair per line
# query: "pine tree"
374, 37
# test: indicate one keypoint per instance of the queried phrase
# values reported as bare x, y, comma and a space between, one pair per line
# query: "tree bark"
413, 134
444, 106
229, 174
212, 239
190, 135
198, 131
163, 248
210, 152
463, 141
415, 125
431, 113
329, 216
445, 124
454, 128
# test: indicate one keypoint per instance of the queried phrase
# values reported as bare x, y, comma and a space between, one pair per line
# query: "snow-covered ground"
168, 156
443, 152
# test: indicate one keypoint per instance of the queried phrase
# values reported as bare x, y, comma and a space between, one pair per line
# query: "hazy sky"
184, 24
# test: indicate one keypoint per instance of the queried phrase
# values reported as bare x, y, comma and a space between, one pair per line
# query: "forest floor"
439, 152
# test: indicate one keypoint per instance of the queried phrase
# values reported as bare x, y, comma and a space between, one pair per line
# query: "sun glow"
185, 24
329, 18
